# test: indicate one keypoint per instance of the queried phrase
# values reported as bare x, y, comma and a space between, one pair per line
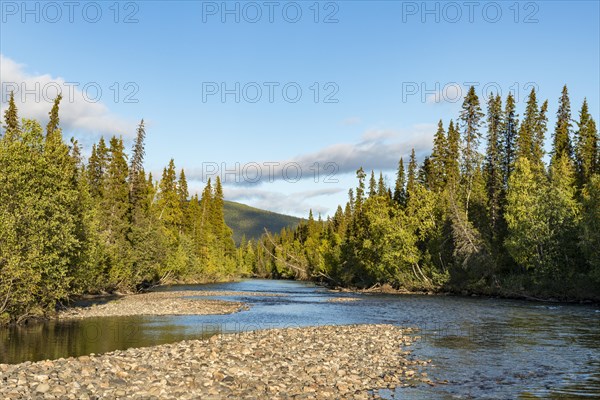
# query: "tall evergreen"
399, 188
586, 146
562, 132
411, 179
223, 232
493, 162
97, 167
360, 190
510, 127
137, 176
381, 189
12, 126
539, 137
470, 117
138, 187
438, 158
169, 204
372, 185
183, 193
54, 118
527, 130
452, 156
116, 214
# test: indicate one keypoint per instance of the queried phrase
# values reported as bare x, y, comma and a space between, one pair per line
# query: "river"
483, 347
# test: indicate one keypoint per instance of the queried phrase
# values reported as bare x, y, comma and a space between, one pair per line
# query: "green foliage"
67, 228
11, 118
502, 223
586, 146
39, 243
509, 129
528, 228
470, 118
452, 164
438, 158
493, 167
562, 146
399, 188
590, 232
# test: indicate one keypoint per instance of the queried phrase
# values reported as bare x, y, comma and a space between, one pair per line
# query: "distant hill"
250, 221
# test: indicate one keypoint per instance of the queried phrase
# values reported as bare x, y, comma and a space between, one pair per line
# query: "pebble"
184, 302
352, 361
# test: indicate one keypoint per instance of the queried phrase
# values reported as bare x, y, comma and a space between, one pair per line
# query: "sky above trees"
375, 78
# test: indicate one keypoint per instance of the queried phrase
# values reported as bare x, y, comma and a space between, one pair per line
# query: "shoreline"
386, 289
158, 303
313, 362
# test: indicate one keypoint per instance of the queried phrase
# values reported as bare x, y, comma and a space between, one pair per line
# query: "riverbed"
484, 348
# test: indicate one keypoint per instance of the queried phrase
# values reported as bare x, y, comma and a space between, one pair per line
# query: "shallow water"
485, 348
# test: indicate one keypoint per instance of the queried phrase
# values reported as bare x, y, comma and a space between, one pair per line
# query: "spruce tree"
562, 132
586, 146
527, 130
510, 128
54, 118
425, 176
169, 202
183, 194
381, 189
452, 156
116, 215
11, 118
97, 167
372, 185
399, 190
438, 158
411, 180
360, 190
493, 163
539, 137
470, 118
138, 189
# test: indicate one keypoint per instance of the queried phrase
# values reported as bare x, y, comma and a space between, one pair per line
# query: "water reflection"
56, 339
484, 348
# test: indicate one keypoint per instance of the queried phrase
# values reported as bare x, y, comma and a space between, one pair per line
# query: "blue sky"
376, 64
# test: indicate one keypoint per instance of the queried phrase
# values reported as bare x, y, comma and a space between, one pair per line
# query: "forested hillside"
250, 223
69, 227
503, 221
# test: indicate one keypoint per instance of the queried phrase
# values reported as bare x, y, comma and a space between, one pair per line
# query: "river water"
484, 348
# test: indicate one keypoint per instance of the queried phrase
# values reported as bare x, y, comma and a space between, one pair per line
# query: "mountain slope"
250, 221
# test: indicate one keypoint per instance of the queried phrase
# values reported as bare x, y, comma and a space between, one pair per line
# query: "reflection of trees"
56, 339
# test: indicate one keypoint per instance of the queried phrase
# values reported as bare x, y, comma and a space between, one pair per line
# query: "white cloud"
376, 149
34, 94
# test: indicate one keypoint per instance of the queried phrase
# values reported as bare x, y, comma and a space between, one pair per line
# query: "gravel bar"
159, 303
326, 362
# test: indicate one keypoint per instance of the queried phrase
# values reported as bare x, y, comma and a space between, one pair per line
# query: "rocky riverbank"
314, 362
342, 299
185, 302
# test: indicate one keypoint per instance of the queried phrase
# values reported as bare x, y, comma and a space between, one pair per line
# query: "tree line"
503, 221
69, 227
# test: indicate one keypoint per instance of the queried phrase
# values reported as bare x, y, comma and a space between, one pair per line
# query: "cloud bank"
379, 150
81, 113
